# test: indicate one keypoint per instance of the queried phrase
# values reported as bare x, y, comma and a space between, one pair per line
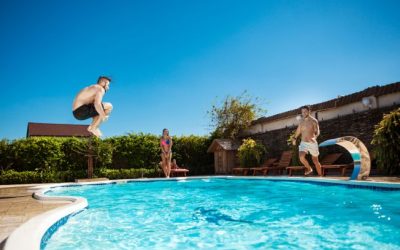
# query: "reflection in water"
214, 216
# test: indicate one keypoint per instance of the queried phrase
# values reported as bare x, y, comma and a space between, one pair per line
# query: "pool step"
91, 180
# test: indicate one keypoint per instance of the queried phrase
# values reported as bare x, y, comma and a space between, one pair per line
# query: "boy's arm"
161, 146
294, 139
316, 129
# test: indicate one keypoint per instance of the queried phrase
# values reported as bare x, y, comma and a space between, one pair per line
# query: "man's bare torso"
86, 96
308, 129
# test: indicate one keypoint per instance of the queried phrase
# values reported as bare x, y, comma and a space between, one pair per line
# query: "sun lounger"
341, 167
325, 161
240, 171
264, 166
280, 166
179, 171
176, 170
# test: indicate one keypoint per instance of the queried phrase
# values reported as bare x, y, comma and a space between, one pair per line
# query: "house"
225, 151
377, 97
355, 115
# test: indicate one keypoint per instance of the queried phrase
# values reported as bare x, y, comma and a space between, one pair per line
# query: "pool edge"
29, 235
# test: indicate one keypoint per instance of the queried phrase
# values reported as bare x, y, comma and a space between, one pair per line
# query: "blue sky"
170, 60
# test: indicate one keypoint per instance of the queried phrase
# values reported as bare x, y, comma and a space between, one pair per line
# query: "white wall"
356, 107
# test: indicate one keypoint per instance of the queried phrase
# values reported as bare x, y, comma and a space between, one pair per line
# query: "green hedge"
51, 154
143, 151
14, 177
35, 154
127, 173
134, 151
191, 152
74, 160
52, 159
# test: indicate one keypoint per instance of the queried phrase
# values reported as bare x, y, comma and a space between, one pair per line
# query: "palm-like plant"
387, 143
250, 153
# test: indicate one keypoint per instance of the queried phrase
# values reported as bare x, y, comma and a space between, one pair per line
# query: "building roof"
61, 130
225, 144
337, 102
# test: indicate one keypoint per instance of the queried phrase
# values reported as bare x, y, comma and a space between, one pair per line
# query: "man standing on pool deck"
309, 130
88, 104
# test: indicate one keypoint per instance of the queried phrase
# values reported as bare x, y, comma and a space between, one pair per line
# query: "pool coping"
30, 235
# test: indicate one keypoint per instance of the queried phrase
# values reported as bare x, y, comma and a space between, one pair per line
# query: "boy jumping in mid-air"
88, 104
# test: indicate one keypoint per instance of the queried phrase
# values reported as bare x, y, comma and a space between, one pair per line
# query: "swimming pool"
220, 213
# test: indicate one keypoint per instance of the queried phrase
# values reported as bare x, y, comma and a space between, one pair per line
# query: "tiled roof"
337, 102
61, 130
226, 144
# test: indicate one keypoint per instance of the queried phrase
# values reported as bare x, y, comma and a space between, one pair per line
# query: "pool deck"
18, 206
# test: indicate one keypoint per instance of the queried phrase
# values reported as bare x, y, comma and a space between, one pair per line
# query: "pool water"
229, 214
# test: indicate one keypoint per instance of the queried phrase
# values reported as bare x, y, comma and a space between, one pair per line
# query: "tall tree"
234, 114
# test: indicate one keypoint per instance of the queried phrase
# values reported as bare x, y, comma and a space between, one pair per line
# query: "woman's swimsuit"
165, 142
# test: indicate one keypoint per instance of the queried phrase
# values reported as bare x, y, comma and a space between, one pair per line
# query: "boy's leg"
317, 165
93, 127
302, 156
107, 107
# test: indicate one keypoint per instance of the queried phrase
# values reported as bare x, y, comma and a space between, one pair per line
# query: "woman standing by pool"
166, 152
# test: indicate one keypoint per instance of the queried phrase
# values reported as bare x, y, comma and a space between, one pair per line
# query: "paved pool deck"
17, 204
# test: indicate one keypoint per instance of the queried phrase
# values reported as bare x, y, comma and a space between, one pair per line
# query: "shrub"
63, 159
14, 177
143, 151
250, 153
295, 149
36, 153
127, 173
68, 176
191, 152
135, 151
103, 152
387, 143
75, 150
73, 160
5, 156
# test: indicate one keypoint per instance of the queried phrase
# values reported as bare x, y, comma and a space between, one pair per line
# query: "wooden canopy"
59, 130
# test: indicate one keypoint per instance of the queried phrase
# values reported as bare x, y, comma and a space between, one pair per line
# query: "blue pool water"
229, 214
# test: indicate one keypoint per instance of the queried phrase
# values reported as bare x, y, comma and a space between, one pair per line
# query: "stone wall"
360, 125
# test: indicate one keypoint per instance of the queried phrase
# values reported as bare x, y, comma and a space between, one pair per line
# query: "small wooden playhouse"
225, 151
